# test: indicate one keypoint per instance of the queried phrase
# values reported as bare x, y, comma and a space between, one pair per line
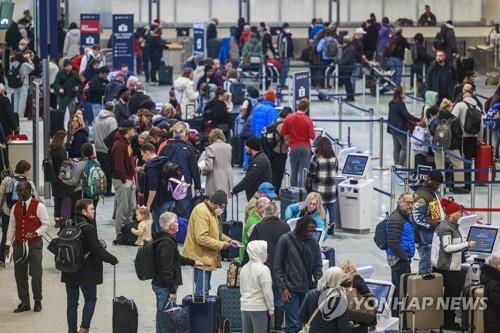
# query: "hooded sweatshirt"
255, 280
460, 111
123, 168
104, 125
185, 93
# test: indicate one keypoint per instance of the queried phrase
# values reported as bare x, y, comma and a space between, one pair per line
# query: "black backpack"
271, 137
69, 253
144, 262
110, 140
473, 119
14, 77
238, 91
380, 236
49, 173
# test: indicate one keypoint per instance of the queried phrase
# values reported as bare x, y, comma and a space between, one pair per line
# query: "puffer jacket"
264, 115
255, 280
447, 247
72, 43
427, 213
400, 236
185, 93
490, 278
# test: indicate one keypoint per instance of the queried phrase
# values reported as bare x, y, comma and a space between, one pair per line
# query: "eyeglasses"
408, 202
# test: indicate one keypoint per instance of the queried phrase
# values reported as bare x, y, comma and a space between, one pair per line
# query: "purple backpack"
178, 188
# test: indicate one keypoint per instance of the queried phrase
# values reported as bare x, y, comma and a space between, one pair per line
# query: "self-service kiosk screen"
484, 237
381, 292
355, 165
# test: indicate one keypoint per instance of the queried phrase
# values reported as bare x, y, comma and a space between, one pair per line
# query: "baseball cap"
268, 189
360, 31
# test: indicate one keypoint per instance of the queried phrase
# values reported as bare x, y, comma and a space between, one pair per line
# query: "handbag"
307, 326
174, 319
363, 312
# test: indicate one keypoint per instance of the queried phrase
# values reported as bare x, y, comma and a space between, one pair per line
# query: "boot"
278, 318
83, 330
59, 222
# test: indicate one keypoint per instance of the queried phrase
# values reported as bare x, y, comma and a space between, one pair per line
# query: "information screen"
484, 237
355, 165
381, 293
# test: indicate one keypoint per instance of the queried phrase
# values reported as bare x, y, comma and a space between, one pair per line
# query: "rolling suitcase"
237, 145
484, 160
290, 195
230, 306
165, 75
472, 319
125, 315
204, 312
234, 229
413, 290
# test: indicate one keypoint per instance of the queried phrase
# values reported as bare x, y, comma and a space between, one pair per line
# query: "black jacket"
13, 36
347, 60
396, 47
121, 111
96, 89
441, 79
91, 273
134, 103
399, 117
76, 141
218, 113
267, 43
490, 278
8, 118
211, 31
319, 325
270, 230
285, 45
59, 189
259, 171
168, 263
456, 128
186, 157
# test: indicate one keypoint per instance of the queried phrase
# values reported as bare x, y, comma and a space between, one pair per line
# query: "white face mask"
219, 211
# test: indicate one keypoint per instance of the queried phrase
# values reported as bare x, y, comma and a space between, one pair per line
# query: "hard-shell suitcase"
290, 195
204, 312
237, 145
484, 160
230, 306
415, 291
472, 319
125, 315
234, 229
165, 75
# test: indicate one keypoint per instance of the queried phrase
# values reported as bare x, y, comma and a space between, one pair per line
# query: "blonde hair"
81, 122
349, 269
216, 134
315, 196
178, 128
446, 105
144, 212
167, 110
333, 278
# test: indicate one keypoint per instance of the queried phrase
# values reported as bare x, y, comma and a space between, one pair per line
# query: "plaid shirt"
323, 172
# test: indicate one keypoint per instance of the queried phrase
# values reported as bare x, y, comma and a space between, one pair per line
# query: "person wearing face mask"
297, 268
447, 248
441, 76
28, 221
285, 52
205, 240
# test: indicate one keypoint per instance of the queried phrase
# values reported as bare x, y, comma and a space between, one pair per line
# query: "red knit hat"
450, 206
270, 96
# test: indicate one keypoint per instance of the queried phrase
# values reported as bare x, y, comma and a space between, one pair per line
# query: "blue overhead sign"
123, 41
199, 39
301, 87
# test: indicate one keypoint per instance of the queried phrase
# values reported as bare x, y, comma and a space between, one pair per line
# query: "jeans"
72, 296
330, 208
300, 158
198, 282
184, 206
397, 65
63, 103
167, 206
162, 297
285, 68
355, 75
398, 269
399, 149
293, 322
424, 264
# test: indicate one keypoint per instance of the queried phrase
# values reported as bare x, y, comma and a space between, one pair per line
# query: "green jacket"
252, 220
70, 82
253, 48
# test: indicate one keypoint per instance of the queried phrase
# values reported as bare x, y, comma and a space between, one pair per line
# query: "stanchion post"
339, 101
370, 132
337, 79
443, 160
408, 148
381, 147
473, 184
364, 89
404, 81
377, 98
348, 136
393, 188
415, 93
490, 193
424, 75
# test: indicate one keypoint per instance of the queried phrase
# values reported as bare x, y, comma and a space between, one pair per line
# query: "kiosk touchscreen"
485, 237
355, 165
382, 291
319, 235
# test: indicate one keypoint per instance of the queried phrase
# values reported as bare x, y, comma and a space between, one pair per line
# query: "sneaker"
460, 190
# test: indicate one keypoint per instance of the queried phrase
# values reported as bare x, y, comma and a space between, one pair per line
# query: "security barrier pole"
339, 101
490, 193
404, 81
337, 79
408, 148
348, 136
424, 75
370, 133
393, 188
263, 69
415, 93
364, 89
377, 97
381, 147
443, 160
473, 184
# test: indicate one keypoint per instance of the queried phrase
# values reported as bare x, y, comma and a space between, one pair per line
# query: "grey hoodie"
460, 111
104, 125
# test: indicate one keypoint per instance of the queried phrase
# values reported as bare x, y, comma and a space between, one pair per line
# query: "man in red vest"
28, 221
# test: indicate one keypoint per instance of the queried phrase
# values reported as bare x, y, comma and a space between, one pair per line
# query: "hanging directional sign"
199, 38
90, 30
123, 41
301, 87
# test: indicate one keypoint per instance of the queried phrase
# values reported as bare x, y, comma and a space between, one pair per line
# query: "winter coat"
134, 103
441, 79
121, 111
154, 46
96, 90
123, 167
427, 213
291, 271
8, 118
186, 157
294, 210
216, 113
285, 45
13, 36
253, 49
112, 90
490, 278
103, 126
25, 70
185, 93
259, 171
76, 141
70, 82
153, 180
256, 284
143, 232
218, 168
460, 111
204, 239
72, 43
383, 38
263, 115
447, 247
323, 172
252, 220
399, 117
400, 236
91, 272
59, 189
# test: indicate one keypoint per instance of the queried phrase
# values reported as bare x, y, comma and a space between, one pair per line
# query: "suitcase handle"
114, 281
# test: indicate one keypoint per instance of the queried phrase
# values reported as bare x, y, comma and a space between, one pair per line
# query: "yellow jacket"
204, 238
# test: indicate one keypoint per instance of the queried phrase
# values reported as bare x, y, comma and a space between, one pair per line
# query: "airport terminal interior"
360, 125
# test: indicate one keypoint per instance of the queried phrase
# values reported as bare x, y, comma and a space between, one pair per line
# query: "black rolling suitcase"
290, 195
237, 145
56, 121
234, 229
125, 315
165, 75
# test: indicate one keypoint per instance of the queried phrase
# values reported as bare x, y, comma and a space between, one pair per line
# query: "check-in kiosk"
355, 195
382, 292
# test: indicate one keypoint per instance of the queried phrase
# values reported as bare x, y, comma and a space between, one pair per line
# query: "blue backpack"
93, 180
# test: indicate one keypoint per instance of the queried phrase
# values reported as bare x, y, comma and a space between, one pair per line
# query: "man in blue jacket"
400, 241
265, 113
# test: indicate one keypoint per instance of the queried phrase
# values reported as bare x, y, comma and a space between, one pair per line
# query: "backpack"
331, 48
12, 196
173, 180
14, 77
69, 253
473, 119
94, 179
49, 173
238, 91
443, 133
68, 169
380, 236
145, 261
271, 137
110, 139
